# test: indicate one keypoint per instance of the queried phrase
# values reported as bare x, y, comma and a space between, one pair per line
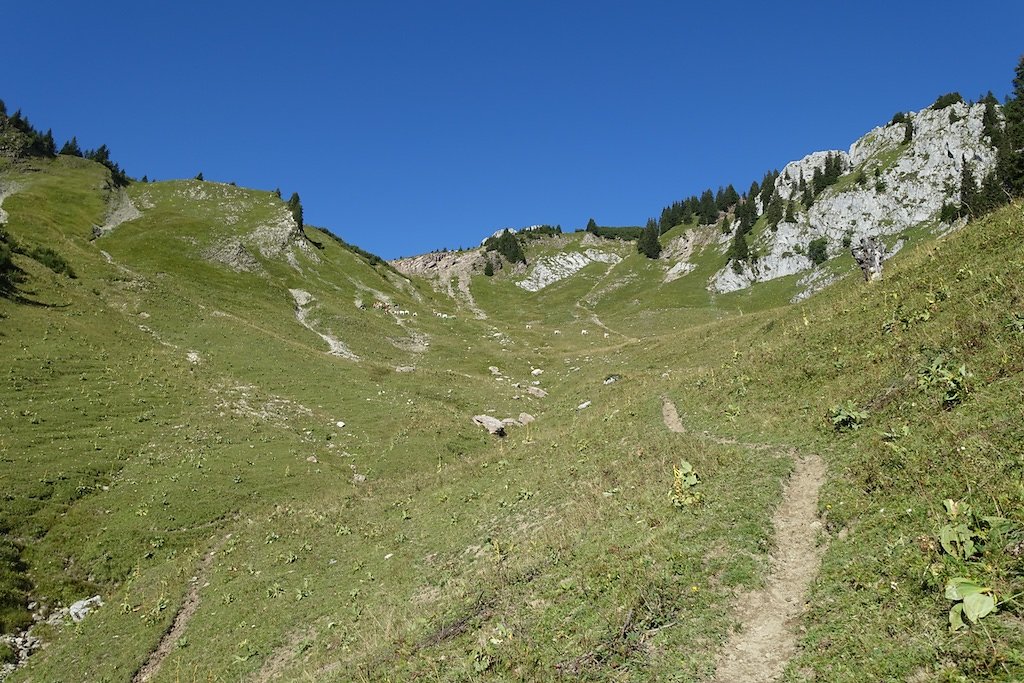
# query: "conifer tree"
71, 148
648, 244
1010, 161
990, 124
708, 211
295, 206
968, 191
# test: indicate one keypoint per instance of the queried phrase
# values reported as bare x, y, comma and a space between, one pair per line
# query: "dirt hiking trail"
766, 640
181, 619
671, 417
758, 651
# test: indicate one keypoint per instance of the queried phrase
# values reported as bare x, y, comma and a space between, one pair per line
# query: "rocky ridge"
913, 181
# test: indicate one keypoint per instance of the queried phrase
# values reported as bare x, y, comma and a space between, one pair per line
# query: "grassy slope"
553, 550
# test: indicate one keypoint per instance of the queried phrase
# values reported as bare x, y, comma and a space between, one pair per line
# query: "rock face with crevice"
901, 186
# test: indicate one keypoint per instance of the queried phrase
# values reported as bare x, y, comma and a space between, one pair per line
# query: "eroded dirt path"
181, 619
765, 641
671, 417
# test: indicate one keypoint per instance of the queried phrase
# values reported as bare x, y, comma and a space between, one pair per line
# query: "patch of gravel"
6, 190
303, 302
120, 209
234, 255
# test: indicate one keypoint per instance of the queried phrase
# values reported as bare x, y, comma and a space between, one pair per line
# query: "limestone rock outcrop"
551, 269
888, 187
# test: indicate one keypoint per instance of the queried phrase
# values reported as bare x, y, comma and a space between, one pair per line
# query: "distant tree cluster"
947, 100
627, 233
823, 177
1006, 181
26, 139
648, 244
507, 245
707, 207
538, 231
370, 258
35, 143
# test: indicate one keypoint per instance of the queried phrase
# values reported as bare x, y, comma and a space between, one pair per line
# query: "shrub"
489, 269
847, 416
947, 100
817, 250
6, 266
52, 260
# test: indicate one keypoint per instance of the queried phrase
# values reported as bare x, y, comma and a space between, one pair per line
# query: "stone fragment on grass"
81, 609
492, 424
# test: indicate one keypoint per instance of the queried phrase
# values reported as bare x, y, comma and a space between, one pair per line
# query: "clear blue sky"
410, 126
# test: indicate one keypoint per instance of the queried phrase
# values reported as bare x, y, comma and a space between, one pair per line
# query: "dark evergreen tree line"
627, 233
1006, 181
538, 231
41, 144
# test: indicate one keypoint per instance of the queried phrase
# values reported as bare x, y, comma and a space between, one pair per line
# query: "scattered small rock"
583, 406
339, 424
536, 372
611, 379
536, 391
492, 424
312, 459
81, 609
358, 478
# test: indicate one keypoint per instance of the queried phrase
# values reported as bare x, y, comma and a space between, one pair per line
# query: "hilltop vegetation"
255, 441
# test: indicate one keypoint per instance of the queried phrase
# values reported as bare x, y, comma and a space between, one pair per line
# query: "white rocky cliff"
903, 185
